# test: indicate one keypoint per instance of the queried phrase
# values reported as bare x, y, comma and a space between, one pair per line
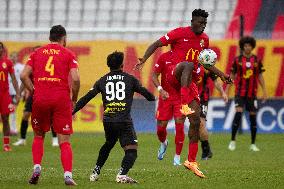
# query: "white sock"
165, 142
13, 121
67, 174
37, 166
177, 156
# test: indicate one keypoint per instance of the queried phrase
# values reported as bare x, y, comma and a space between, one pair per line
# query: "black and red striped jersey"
247, 70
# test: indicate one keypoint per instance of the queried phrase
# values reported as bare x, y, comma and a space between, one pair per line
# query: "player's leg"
193, 135
25, 122
179, 127
6, 132
111, 135
54, 141
6, 107
12, 118
204, 137
163, 114
62, 125
128, 141
252, 108
239, 103
41, 117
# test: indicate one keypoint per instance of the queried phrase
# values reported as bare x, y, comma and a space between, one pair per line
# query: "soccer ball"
207, 57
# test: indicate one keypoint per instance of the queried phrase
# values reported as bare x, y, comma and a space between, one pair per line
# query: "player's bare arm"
150, 50
262, 84
219, 87
25, 78
16, 87
224, 77
227, 90
75, 84
155, 78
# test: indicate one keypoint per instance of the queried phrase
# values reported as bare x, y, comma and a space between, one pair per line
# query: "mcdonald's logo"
192, 54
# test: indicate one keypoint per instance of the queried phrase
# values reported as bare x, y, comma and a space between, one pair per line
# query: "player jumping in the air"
168, 106
186, 44
6, 106
247, 70
117, 89
50, 66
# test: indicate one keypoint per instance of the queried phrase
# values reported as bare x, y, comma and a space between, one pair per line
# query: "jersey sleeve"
85, 99
30, 61
170, 37
213, 76
10, 66
73, 61
142, 90
158, 67
206, 43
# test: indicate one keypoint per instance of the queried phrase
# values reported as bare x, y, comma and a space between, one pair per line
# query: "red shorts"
176, 85
6, 105
167, 109
57, 113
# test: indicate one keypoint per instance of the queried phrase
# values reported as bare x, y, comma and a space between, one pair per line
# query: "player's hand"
185, 110
140, 64
225, 97
164, 94
227, 79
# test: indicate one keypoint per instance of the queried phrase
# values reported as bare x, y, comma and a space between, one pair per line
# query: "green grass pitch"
239, 169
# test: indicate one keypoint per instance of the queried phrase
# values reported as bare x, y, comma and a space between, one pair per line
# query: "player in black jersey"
117, 89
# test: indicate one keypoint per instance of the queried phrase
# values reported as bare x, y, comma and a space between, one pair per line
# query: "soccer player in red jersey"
168, 107
247, 70
186, 44
50, 66
203, 87
6, 105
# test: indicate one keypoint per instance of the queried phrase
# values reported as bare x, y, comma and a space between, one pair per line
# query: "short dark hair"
2, 44
247, 40
114, 60
200, 12
56, 33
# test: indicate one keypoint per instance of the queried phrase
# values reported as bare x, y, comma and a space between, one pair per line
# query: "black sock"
236, 124
24, 128
53, 133
128, 161
104, 153
253, 128
205, 146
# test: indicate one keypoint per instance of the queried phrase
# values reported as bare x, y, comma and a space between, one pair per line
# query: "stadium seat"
119, 5
44, 5
132, 16
134, 5
223, 5
149, 5
192, 4
14, 5
164, 5
105, 5
90, 5
162, 16
208, 5
60, 5
147, 16
178, 5
75, 5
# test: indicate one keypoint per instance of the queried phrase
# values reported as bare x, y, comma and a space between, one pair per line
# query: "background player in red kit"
204, 92
6, 105
168, 107
50, 66
186, 44
247, 69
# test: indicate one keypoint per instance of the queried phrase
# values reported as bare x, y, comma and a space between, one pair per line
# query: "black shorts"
122, 131
28, 104
250, 104
204, 109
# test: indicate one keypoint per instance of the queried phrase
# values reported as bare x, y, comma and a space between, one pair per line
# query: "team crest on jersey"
198, 70
202, 43
248, 64
4, 65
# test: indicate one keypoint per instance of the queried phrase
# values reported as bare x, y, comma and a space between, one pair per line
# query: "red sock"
37, 149
179, 137
162, 133
66, 156
192, 151
6, 140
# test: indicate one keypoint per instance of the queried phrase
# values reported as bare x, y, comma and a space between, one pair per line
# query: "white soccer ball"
207, 57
